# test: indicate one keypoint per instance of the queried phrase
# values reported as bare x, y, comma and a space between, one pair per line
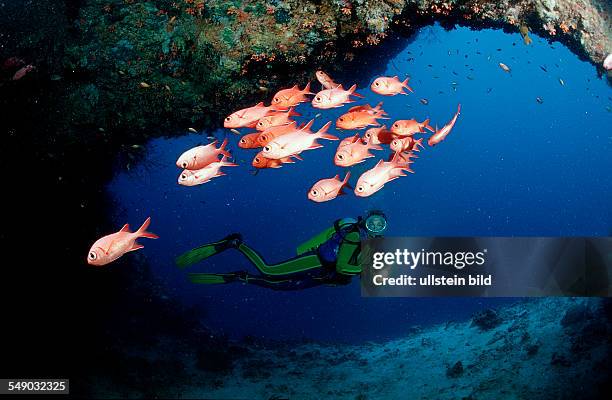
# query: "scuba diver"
330, 258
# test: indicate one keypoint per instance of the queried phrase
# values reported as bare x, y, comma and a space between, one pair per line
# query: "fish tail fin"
427, 126
308, 125
417, 143
142, 231
223, 150
321, 133
353, 92
227, 163
405, 84
459, 108
345, 181
307, 89
346, 178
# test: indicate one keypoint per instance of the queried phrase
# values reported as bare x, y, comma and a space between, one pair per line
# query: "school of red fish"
282, 140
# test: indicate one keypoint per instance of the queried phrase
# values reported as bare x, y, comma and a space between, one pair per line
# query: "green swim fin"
207, 279
198, 254
213, 279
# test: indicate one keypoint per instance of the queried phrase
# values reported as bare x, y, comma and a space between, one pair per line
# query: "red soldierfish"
408, 127
325, 80
109, 248
374, 179
200, 176
22, 72
276, 119
390, 86
335, 97
201, 156
247, 117
260, 161
249, 141
378, 135
296, 142
357, 120
291, 97
353, 152
373, 110
328, 189
441, 134
407, 143
276, 131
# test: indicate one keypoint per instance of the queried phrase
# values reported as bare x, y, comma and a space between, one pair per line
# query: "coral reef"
182, 63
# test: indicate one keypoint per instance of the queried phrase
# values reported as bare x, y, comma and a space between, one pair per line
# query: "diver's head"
375, 223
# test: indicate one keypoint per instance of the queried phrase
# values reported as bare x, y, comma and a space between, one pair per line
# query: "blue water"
510, 167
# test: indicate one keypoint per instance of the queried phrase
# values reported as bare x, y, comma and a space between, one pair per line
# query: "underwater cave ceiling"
180, 63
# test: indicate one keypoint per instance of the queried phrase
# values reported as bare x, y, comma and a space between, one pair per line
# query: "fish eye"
314, 193
377, 83
184, 164
267, 149
395, 125
360, 188
228, 118
318, 98
183, 176
242, 140
340, 157
257, 159
92, 255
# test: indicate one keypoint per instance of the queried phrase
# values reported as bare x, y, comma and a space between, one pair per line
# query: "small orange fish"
357, 120
276, 119
201, 156
335, 97
441, 134
375, 179
406, 143
378, 135
296, 142
248, 117
200, 176
390, 86
260, 161
110, 247
325, 80
408, 127
373, 110
249, 141
276, 131
328, 189
291, 97
353, 152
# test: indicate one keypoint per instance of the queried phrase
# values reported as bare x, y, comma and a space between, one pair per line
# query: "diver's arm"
344, 264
